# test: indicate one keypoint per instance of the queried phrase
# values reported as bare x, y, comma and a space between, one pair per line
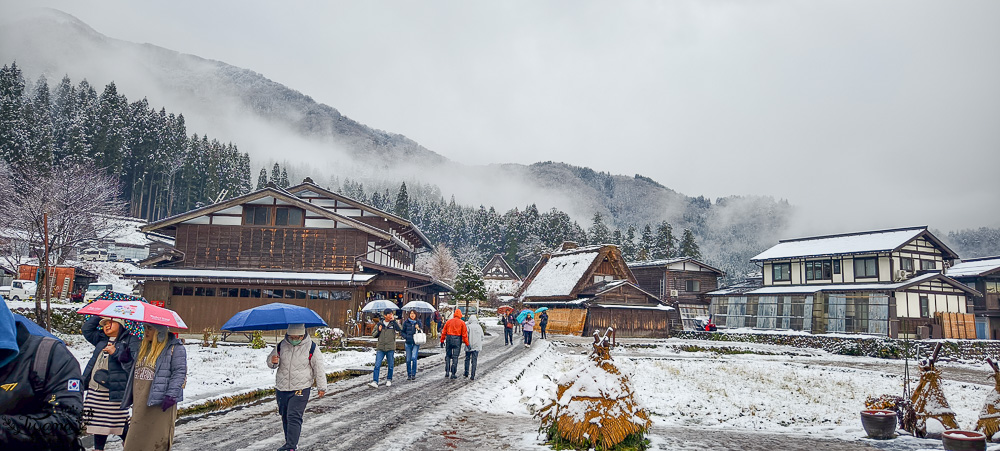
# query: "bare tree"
59, 208
439, 264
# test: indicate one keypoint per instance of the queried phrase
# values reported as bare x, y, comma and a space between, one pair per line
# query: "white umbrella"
379, 305
419, 306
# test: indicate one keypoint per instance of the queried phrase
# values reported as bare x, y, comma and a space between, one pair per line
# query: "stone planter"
955, 440
879, 424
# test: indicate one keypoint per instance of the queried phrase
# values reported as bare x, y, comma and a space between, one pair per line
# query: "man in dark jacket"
37, 411
543, 322
508, 329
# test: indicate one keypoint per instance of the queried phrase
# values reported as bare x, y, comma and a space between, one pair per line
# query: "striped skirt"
101, 415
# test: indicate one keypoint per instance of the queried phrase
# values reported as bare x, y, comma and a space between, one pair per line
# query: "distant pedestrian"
475, 345
455, 333
155, 388
438, 324
527, 326
508, 329
385, 331
106, 377
411, 349
543, 321
300, 366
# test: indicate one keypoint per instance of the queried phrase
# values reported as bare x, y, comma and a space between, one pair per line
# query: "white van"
19, 290
95, 289
93, 255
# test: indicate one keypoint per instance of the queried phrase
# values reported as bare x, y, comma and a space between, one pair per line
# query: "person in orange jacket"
454, 334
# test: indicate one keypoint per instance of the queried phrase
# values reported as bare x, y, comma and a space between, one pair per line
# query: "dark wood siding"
627, 322
294, 249
649, 279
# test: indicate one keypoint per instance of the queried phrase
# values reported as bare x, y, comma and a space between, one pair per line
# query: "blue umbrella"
379, 305
541, 309
33, 329
524, 314
273, 316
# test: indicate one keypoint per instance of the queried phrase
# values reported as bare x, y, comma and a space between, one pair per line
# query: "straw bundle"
989, 417
928, 399
595, 405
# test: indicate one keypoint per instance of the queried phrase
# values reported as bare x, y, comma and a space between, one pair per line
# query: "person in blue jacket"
40, 390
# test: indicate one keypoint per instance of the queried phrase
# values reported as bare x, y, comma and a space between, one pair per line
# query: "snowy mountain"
265, 118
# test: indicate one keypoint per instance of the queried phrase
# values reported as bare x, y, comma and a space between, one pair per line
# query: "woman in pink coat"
528, 325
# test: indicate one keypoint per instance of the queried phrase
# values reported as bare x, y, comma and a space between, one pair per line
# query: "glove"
168, 402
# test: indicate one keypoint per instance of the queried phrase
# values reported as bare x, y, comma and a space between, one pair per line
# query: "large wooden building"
681, 283
883, 282
982, 274
304, 245
500, 279
588, 289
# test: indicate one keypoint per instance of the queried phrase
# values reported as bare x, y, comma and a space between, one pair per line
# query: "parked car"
95, 289
19, 290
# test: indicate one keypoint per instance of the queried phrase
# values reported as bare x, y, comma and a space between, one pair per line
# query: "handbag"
102, 376
419, 338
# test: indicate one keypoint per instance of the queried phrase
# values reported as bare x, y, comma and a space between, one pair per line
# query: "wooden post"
45, 274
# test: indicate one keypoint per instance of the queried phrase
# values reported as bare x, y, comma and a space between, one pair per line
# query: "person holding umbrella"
299, 368
106, 377
528, 326
410, 328
385, 331
155, 387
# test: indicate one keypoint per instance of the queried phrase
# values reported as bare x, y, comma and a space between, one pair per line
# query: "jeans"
379, 355
474, 357
508, 335
411, 359
527, 337
453, 348
291, 405
543, 330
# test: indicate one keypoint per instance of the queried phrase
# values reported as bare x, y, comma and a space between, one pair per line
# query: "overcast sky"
865, 114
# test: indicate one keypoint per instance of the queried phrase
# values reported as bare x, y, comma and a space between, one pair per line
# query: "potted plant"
956, 440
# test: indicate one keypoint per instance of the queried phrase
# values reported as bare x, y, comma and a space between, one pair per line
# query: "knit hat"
120, 321
296, 329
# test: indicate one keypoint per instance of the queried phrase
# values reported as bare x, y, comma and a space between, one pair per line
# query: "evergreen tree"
275, 174
617, 238
402, 206
283, 181
688, 246
645, 244
469, 285
664, 244
598, 233
628, 246
39, 117
15, 136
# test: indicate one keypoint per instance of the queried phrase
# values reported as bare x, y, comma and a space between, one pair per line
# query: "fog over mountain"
275, 122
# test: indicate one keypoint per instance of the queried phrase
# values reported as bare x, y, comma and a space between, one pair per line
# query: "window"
288, 217
188, 291
692, 285
210, 291
906, 264
600, 278
836, 266
256, 215
865, 267
289, 294
819, 270
781, 272
178, 291
993, 287
928, 264
255, 292
199, 291
244, 292
340, 295
924, 307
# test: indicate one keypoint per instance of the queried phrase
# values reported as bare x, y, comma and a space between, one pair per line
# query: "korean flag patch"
73, 385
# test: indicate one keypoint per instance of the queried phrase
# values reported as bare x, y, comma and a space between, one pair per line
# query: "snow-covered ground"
794, 391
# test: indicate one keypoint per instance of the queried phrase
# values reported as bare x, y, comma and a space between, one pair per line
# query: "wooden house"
983, 275
680, 283
499, 278
588, 289
304, 245
883, 282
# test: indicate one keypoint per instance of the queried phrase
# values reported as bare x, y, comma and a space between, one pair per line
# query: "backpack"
40, 366
312, 349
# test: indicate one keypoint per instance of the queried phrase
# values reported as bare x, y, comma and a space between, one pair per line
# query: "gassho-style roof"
498, 260
851, 243
562, 272
807, 289
671, 261
975, 267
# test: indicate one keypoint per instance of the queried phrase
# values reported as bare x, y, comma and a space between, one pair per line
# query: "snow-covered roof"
641, 307
854, 243
561, 272
261, 275
976, 267
661, 262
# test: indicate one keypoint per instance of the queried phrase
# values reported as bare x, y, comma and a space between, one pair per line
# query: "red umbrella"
135, 311
505, 309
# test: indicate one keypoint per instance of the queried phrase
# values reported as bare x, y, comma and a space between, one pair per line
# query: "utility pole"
45, 274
